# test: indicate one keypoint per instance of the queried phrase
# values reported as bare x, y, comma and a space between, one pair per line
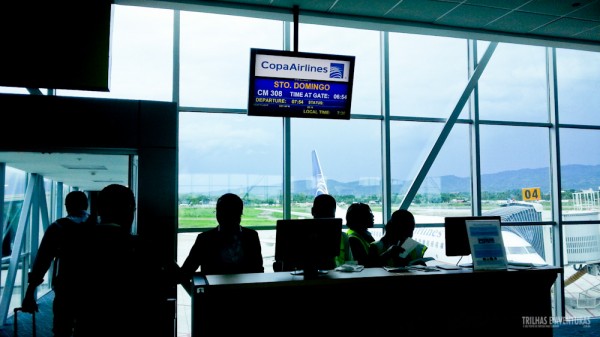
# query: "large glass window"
515, 159
141, 56
581, 284
427, 74
221, 153
578, 78
513, 85
11, 90
446, 189
366, 94
349, 153
215, 57
580, 174
223, 150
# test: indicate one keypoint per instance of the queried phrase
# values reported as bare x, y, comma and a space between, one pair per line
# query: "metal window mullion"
176, 55
554, 144
286, 122
44, 213
16, 252
385, 128
2, 192
475, 150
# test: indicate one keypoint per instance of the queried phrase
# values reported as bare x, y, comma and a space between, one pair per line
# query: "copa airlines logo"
319, 69
337, 70
307, 68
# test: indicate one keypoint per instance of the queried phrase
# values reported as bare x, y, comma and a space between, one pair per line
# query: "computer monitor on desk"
309, 245
457, 239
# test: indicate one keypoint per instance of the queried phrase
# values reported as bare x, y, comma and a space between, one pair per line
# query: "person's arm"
347, 251
256, 259
374, 257
191, 264
29, 303
47, 251
392, 252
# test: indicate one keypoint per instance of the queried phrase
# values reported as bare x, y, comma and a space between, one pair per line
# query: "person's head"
230, 208
76, 202
116, 204
359, 217
400, 226
323, 206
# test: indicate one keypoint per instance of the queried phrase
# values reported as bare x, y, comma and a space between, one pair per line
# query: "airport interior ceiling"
548, 22
564, 20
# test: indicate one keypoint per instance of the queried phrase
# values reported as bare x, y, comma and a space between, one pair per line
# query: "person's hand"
29, 304
394, 250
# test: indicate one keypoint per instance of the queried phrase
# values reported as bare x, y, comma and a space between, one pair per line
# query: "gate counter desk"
374, 301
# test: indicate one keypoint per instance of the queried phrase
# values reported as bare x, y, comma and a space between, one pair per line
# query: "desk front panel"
372, 301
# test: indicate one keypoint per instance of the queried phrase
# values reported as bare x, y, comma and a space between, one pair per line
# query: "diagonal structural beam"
420, 177
16, 252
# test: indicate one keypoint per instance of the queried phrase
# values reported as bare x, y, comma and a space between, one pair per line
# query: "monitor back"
300, 240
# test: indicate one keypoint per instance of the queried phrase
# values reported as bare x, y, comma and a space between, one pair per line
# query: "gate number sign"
531, 193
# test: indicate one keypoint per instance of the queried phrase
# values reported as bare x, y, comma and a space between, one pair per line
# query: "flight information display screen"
295, 84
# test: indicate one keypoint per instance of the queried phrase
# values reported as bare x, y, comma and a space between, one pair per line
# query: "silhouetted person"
324, 206
359, 218
228, 248
122, 295
62, 242
398, 229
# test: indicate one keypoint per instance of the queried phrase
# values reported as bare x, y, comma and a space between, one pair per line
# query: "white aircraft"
518, 250
321, 188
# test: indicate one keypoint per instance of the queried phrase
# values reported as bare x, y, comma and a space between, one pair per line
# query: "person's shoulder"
353, 237
62, 222
207, 234
106, 227
249, 231
106, 232
377, 244
62, 226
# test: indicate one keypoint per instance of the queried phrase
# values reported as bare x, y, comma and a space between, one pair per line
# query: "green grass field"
259, 216
202, 217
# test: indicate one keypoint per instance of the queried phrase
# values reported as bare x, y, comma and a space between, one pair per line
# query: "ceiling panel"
574, 20
554, 7
376, 9
89, 172
566, 27
519, 22
589, 12
506, 4
414, 10
561, 19
467, 16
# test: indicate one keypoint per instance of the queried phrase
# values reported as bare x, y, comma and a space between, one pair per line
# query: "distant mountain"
574, 177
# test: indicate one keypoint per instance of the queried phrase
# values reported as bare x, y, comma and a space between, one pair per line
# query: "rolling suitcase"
16, 325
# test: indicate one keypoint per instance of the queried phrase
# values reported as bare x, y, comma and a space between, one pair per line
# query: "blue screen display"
278, 94
297, 98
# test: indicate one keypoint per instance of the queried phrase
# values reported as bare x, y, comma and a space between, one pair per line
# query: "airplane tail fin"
318, 175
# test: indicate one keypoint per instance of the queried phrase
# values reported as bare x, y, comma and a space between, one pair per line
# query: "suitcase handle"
16, 332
